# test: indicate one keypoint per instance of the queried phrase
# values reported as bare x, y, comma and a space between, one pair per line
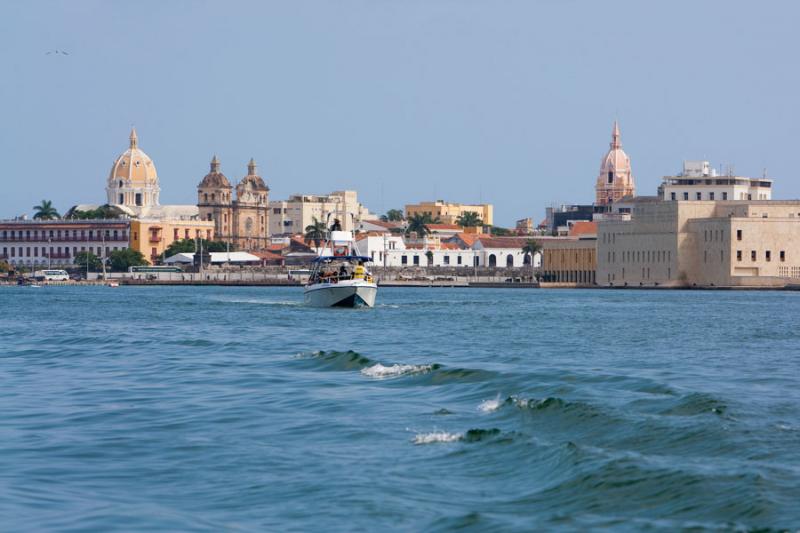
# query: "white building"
481, 251
699, 181
296, 213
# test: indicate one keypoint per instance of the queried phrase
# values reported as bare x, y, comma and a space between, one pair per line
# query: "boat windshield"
339, 269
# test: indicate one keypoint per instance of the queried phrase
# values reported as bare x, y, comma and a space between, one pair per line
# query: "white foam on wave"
436, 437
490, 406
379, 371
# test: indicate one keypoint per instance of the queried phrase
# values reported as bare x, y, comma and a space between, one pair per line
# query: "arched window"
492, 260
213, 197
205, 197
121, 199
120, 184
610, 177
527, 259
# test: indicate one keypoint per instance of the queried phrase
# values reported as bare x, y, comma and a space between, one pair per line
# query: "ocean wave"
471, 435
335, 360
490, 406
379, 371
696, 403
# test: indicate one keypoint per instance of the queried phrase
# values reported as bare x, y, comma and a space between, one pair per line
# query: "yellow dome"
133, 167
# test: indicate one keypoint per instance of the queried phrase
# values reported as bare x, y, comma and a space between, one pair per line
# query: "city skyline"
403, 103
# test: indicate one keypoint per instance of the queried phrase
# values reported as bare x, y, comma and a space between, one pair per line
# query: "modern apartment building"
699, 181
293, 215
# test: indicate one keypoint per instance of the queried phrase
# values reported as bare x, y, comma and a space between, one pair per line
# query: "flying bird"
56, 52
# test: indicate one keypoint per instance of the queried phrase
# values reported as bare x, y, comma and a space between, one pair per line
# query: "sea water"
212, 408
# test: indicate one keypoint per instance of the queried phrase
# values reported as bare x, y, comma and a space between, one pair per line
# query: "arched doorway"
509, 261
492, 260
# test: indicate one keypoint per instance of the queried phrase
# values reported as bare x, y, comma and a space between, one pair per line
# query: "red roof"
502, 242
442, 227
583, 228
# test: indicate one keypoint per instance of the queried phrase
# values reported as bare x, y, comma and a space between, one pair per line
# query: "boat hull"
341, 294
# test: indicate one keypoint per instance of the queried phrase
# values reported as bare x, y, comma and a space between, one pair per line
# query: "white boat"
339, 277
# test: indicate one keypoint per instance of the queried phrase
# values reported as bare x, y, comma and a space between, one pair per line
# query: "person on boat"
337, 225
360, 272
343, 272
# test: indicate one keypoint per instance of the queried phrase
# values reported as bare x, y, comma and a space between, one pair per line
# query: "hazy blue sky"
509, 102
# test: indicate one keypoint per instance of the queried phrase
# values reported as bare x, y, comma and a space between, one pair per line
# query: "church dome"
215, 179
133, 167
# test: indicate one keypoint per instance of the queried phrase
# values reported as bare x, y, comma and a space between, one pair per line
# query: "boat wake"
379, 371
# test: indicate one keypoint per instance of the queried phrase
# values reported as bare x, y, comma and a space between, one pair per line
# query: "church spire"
615, 142
134, 139
252, 168
215, 164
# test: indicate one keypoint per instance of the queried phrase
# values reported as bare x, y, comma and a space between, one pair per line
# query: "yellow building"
152, 236
448, 213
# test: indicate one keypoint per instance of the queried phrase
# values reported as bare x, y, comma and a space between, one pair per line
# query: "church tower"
251, 211
214, 201
615, 180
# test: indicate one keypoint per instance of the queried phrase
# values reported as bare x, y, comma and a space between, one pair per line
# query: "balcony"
64, 238
155, 239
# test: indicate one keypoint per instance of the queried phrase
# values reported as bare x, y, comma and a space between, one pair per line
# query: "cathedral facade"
615, 180
244, 220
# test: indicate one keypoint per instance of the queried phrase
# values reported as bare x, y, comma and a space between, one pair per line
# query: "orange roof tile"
583, 228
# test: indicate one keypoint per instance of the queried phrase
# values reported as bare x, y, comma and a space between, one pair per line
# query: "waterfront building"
44, 243
615, 180
448, 213
153, 235
569, 261
702, 243
699, 181
244, 220
299, 211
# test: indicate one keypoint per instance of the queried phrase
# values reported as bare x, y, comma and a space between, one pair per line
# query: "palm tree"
418, 223
45, 211
315, 232
393, 215
532, 247
429, 255
470, 219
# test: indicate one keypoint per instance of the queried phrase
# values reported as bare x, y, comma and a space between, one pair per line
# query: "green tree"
82, 258
418, 223
429, 255
45, 211
188, 246
501, 232
315, 232
393, 215
532, 247
4, 267
121, 260
470, 219
103, 212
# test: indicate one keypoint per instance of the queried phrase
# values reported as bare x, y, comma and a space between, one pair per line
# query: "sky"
509, 102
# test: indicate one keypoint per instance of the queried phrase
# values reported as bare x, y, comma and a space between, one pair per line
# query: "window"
711, 196
447, 260
686, 196
138, 198
121, 199
738, 255
404, 260
738, 235
752, 255
769, 255
416, 260
782, 255
699, 196
458, 260
724, 196
610, 177
672, 196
